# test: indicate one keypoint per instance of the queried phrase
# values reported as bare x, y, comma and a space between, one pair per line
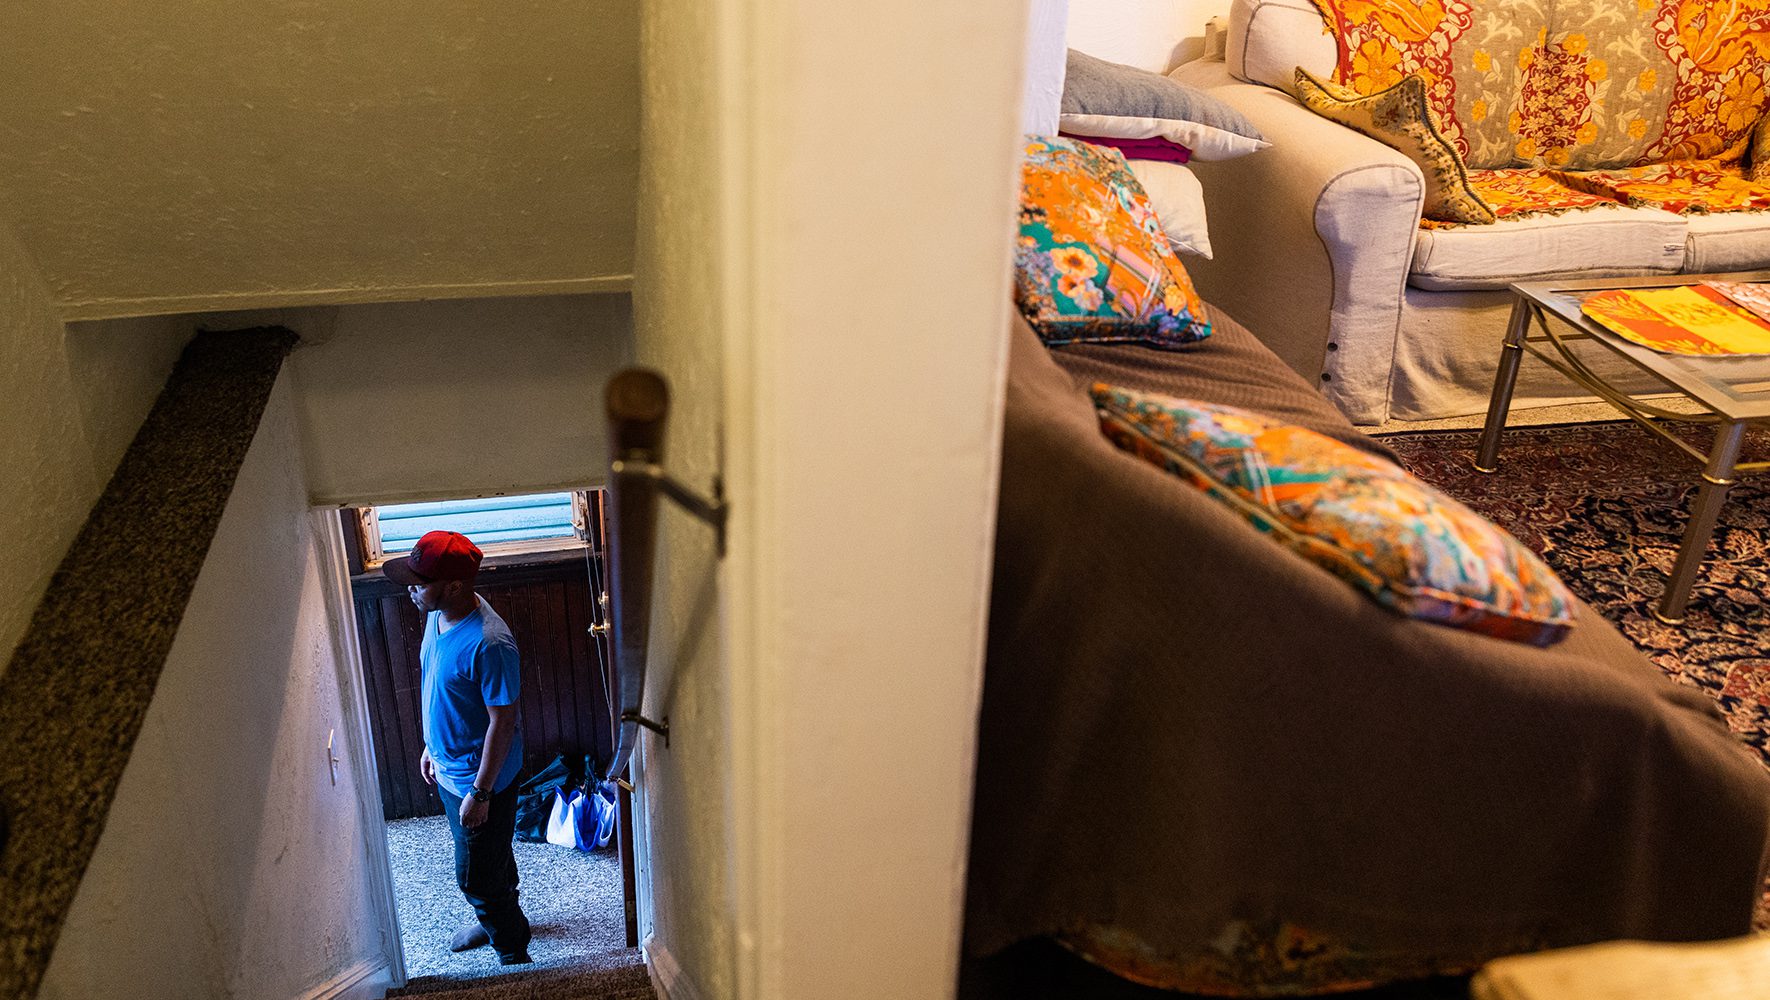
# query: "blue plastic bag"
562, 818
583, 821
602, 805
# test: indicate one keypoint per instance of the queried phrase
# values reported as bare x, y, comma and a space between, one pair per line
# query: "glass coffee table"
1733, 393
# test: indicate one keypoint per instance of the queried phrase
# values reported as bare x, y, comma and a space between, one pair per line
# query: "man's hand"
427, 767
474, 811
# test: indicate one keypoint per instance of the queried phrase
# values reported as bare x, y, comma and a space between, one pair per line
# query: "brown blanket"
1186, 726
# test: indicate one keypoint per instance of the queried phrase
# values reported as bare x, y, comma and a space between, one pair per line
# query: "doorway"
543, 573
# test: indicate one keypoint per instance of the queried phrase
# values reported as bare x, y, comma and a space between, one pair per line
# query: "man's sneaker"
470, 937
520, 958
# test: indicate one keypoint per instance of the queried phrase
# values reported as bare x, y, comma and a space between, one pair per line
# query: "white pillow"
1207, 142
1147, 34
1116, 101
1179, 202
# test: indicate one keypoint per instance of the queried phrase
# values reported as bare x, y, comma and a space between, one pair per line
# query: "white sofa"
1318, 248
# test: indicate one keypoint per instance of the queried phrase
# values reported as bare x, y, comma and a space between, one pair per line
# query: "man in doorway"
472, 743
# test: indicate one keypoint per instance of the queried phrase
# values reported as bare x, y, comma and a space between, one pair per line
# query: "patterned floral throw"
1637, 102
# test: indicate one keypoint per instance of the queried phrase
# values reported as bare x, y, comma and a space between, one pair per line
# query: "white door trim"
359, 746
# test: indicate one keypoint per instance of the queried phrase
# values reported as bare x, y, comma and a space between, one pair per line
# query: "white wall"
830, 301
690, 813
165, 156
1154, 34
426, 400
1045, 54
71, 398
230, 864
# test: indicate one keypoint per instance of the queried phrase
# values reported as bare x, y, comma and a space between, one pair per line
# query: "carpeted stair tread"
74, 695
624, 983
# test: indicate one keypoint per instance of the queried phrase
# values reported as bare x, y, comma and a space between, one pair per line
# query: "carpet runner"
627, 983
1605, 505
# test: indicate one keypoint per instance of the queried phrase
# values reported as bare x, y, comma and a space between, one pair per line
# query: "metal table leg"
1487, 457
1717, 476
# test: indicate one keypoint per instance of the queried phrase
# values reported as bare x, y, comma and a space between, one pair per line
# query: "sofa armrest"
1313, 238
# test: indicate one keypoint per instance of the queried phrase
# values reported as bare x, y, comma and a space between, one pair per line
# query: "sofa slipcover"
1319, 249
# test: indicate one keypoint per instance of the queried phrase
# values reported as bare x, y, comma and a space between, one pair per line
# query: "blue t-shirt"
471, 666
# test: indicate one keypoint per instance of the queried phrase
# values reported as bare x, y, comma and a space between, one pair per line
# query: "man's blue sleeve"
500, 674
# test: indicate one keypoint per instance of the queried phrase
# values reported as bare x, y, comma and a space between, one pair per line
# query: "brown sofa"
1205, 762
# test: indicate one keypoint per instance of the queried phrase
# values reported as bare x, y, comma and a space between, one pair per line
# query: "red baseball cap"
439, 555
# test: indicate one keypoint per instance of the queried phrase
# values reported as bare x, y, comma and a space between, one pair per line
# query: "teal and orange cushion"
1362, 518
1092, 264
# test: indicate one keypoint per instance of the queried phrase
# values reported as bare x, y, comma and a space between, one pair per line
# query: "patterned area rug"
1605, 505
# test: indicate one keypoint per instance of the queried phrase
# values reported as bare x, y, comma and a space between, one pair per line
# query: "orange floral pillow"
1092, 263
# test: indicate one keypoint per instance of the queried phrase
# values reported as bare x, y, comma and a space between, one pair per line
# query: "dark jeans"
485, 869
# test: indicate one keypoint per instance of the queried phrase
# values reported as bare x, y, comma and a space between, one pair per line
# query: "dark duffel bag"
534, 798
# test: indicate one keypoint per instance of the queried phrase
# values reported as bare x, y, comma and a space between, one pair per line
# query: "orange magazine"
1688, 319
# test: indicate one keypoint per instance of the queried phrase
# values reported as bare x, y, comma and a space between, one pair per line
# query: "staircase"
628, 982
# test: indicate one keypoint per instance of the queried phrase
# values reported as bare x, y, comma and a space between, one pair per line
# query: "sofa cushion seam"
1514, 275
1588, 225
1509, 278
1246, 30
1727, 232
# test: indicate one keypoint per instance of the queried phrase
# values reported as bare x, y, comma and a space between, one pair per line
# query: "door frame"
359, 747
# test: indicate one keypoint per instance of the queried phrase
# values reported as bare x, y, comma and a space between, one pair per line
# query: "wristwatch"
479, 794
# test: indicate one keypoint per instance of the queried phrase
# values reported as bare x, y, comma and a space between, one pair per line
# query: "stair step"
627, 982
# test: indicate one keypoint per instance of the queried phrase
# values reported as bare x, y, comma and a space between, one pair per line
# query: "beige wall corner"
688, 809
1156, 35
71, 399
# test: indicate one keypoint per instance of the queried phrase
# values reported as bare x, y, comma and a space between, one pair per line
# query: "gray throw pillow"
1108, 99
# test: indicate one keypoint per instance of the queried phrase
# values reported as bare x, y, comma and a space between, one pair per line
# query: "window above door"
499, 525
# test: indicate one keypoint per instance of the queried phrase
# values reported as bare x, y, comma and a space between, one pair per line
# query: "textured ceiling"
161, 156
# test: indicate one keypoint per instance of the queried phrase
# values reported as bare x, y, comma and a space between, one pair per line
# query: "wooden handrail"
638, 408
